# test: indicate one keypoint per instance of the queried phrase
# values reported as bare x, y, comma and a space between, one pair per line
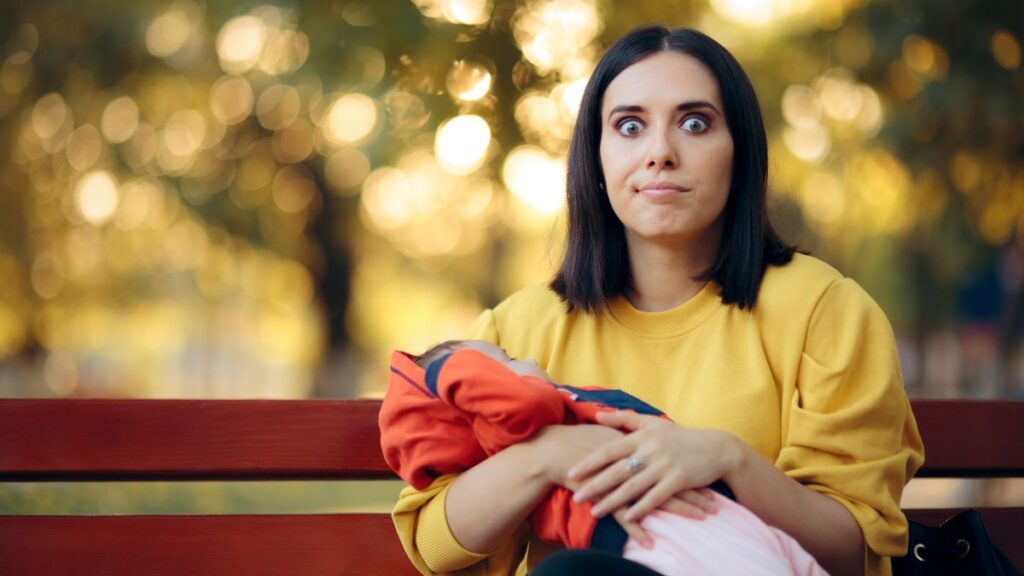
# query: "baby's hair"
436, 352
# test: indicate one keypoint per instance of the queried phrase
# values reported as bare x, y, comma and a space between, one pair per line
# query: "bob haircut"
595, 268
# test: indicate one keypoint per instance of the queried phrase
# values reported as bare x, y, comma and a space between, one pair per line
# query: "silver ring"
634, 465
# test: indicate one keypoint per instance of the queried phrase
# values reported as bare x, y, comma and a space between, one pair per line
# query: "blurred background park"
260, 199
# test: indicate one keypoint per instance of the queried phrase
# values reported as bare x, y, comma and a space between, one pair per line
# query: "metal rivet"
919, 552
963, 548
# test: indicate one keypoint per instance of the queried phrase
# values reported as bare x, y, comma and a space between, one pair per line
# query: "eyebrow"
690, 105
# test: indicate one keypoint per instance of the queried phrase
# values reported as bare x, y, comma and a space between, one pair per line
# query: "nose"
661, 153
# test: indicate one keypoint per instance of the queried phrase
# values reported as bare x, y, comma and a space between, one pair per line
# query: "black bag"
958, 547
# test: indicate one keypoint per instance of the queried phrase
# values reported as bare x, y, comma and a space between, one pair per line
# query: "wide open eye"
695, 124
630, 127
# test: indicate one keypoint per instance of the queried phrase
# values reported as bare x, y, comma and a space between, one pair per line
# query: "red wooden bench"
112, 440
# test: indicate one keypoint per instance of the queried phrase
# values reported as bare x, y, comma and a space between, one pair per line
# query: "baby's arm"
503, 407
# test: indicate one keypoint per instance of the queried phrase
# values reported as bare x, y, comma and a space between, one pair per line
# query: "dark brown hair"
595, 267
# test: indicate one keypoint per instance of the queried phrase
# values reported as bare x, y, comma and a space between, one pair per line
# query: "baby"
462, 401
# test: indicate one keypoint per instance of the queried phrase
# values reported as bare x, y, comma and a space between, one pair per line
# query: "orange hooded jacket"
466, 406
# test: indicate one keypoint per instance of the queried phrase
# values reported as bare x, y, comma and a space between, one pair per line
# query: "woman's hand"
689, 503
557, 448
674, 459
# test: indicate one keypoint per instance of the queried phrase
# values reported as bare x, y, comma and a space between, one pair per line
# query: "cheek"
606, 156
718, 164
615, 163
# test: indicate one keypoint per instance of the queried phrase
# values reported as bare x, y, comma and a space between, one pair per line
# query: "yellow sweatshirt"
810, 379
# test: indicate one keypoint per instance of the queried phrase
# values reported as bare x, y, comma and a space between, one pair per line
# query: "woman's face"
666, 151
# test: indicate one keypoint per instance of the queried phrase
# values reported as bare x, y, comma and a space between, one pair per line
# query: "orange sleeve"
421, 437
504, 408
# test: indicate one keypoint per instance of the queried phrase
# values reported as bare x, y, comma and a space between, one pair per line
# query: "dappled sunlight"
461, 144
96, 197
264, 200
424, 210
468, 80
767, 13
350, 119
536, 178
558, 35
456, 11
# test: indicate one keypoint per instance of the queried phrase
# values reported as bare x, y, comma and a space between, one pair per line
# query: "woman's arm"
482, 522
486, 504
823, 526
678, 458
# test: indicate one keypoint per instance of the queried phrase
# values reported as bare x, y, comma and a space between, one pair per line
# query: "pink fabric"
731, 541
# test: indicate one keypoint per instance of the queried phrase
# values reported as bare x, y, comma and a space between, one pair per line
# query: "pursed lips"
661, 190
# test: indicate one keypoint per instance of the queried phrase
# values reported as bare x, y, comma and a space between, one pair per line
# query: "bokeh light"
294, 189
240, 43
120, 119
461, 143
169, 32
810, 143
536, 178
49, 115
184, 133
278, 106
84, 147
253, 191
231, 99
96, 197
468, 80
800, 106
387, 198
285, 52
456, 11
350, 119
1006, 49
346, 169
558, 35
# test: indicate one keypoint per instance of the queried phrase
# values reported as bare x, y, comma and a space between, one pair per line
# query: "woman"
780, 375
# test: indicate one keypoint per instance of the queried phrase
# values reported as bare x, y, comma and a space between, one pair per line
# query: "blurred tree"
170, 164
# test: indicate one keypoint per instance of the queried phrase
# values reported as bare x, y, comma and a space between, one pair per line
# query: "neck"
665, 276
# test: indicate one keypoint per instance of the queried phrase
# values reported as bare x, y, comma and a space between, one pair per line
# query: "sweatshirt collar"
668, 323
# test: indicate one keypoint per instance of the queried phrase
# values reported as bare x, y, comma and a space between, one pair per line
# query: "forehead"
665, 78
485, 347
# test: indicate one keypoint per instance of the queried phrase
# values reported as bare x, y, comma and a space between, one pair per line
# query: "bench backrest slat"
189, 440
966, 438
306, 545
336, 439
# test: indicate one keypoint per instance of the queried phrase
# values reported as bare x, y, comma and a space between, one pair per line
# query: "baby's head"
520, 367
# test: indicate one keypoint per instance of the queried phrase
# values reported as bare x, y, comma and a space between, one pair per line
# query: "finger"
625, 493
699, 498
602, 458
604, 481
652, 499
633, 529
621, 419
682, 508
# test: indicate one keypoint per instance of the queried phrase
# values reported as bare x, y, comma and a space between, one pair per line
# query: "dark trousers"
590, 563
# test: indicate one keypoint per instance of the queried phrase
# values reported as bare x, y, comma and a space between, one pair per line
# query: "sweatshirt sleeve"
851, 434
485, 327
422, 528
